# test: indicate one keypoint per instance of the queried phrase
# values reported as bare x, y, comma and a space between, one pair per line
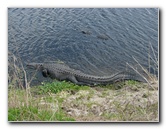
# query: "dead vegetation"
126, 104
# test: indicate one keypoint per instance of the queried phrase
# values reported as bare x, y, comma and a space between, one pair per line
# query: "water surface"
97, 41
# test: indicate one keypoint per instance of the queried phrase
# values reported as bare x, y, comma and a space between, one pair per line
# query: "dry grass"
131, 103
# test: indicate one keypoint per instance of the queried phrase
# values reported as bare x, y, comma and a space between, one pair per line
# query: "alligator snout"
34, 65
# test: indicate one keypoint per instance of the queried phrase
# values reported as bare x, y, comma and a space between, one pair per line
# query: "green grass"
33, 110
57, 86
34, 114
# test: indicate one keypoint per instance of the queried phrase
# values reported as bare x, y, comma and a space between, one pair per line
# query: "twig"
153, 52
142, 68
140, 75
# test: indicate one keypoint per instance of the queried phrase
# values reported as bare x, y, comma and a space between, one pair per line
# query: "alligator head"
36, 66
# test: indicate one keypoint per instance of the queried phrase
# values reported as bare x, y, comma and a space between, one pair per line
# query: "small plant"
34, 114
57, 86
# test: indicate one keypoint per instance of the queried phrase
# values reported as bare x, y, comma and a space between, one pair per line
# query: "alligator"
63, 72
103, 37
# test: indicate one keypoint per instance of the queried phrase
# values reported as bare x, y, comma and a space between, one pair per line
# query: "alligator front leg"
45, 73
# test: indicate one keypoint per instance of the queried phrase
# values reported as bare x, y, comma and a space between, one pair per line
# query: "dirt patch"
130, 103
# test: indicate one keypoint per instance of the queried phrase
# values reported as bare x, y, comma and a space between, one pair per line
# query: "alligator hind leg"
74, 80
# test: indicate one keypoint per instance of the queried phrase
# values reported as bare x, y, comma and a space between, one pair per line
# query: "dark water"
93, 40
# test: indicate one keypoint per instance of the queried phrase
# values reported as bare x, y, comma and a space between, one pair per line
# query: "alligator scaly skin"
62, 72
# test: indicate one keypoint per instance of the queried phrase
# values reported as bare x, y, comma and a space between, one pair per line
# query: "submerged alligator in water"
62, 72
